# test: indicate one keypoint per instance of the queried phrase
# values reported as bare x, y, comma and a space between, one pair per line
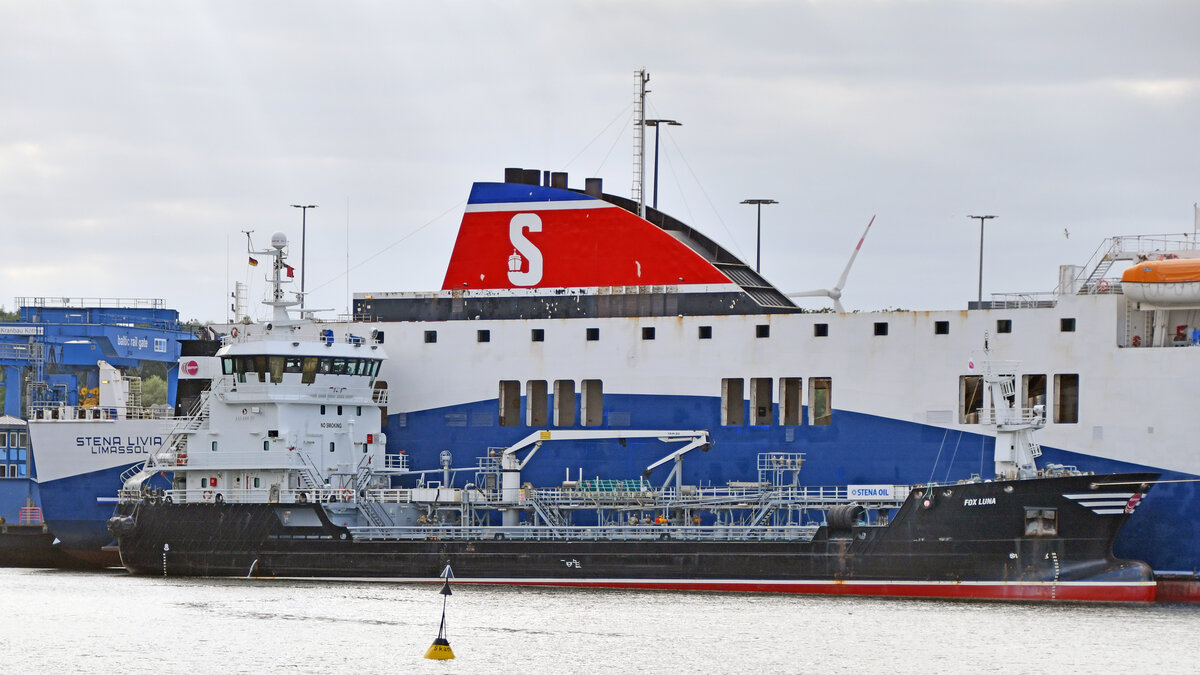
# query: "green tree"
154, 391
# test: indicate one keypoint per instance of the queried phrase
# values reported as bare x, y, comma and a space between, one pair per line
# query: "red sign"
191, 367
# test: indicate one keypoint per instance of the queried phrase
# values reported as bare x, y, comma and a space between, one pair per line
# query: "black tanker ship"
282, 470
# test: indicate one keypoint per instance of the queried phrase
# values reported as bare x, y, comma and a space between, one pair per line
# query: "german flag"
253, 262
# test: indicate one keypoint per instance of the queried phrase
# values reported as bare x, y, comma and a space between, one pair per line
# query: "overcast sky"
137, 140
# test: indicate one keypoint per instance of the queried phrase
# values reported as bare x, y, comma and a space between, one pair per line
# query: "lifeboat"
1167, 283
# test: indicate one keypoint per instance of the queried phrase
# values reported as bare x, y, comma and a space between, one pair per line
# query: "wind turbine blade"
837, 306
820, 292
846, 272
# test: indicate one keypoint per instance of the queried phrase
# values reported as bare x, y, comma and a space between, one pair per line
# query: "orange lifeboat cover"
1163, 272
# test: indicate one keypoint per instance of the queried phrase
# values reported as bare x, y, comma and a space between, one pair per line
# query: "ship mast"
1016, 449
279, 313
639, 140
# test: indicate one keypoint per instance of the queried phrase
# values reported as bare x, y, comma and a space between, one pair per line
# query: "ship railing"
222, 495
89, 303
398, 462
650, 532
230, 389
1029, 300
1019, 417
64, 412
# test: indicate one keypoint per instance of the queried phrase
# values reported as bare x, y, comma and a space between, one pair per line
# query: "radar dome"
279, 240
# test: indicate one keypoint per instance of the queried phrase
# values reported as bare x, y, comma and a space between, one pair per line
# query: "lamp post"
758, 235
303, 227
655, 123
981, 219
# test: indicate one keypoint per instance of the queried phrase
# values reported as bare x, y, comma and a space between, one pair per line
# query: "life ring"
233, 332
1137, 340
346, 495
1102, 286
206, 495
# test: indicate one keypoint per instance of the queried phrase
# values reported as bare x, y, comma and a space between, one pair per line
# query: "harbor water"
60, 621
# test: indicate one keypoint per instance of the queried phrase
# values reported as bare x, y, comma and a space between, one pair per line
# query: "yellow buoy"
440, 649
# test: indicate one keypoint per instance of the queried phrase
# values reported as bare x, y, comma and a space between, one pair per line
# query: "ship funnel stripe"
1100, 495
536, 206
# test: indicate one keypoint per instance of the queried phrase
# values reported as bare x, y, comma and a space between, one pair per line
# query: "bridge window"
277, 368
733, 401
820, 400
1066, 399
310, 370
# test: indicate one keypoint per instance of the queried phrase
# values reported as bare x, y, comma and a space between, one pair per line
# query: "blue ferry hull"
1161, 532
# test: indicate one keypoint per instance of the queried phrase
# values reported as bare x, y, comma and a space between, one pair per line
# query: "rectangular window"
483, 336
1066, 325
789, 400
593, 334
3, 471
820, 400
1066, 399
1033, 391
564, 403
332, 447
227, 366
705, 332
881, 328
537, 403
970, 398
762, 408
733, 401
339, 410
592, 404
820, 330
3, 440
309, 374
510, 403
256, 482
430, 336
762, 330
941, 327
266, 445
204, 482
537, 335
322, 409
1003, 325
214, 446
647, 332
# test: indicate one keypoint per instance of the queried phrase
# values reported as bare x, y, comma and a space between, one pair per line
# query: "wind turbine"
835, 293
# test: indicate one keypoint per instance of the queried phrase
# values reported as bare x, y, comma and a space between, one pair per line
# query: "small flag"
291, 271
253, 262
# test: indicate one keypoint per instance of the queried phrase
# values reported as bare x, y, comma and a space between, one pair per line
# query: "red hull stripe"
1077, 591
570, 244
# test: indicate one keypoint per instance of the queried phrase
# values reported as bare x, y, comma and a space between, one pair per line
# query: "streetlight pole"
758, 236
981, 219
655, 123
303, 227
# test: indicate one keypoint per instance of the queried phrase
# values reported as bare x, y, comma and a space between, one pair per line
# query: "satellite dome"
279, 240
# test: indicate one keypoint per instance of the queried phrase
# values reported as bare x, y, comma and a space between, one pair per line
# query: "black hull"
971, 542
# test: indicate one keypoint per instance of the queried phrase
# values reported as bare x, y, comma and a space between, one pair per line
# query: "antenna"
835, 293
639, 140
